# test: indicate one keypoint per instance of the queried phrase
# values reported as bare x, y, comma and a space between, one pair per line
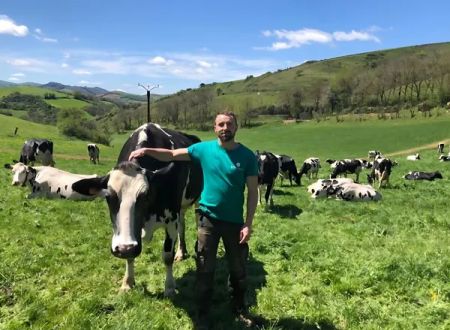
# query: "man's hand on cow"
245, 234
137, 154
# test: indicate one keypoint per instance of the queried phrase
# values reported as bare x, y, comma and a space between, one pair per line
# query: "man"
228, 167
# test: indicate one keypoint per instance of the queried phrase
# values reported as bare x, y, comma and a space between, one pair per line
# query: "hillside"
380, 81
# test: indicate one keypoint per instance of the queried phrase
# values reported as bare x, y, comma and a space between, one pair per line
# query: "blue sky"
117, 44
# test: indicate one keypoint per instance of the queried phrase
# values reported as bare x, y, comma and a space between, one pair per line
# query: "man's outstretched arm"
164, 155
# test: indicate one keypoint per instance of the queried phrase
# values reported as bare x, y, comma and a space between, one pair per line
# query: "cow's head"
128, 194
21, 173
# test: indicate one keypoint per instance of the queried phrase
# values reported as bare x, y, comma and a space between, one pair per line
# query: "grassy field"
315, 264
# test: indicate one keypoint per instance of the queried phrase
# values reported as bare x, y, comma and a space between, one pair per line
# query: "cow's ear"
8, 166
92, 186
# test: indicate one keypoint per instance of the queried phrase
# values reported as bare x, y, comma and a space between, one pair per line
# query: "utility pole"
148, 88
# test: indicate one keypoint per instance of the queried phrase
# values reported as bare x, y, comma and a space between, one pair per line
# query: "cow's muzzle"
126, 251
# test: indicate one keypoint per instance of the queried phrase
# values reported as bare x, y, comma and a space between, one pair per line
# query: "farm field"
315, 264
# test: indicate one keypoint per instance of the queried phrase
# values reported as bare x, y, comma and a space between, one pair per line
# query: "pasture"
314, 264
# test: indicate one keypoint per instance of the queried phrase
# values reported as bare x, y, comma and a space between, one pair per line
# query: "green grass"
314, 263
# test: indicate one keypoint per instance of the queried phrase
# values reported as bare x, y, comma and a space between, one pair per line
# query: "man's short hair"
228, 114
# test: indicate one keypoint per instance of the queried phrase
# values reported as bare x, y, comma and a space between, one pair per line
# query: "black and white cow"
94, 153
417, 175
348, 166
147, 194
324, 188
288, 169
381, 171
48, 182
440, 148
37, 150
310, 167
372, 154
444, 158
268, 168
413, 157
343, 189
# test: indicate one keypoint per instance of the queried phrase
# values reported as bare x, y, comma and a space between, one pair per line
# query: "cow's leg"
259, 194
182, 250
128, 279
268, 195
168, 257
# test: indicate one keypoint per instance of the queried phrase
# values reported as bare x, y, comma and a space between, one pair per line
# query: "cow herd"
147, 194
337, 185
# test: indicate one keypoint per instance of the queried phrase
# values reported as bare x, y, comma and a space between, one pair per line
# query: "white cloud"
159, 60
204, 64
18, 74
64, 65
354, 35
8, 26
13, 79
91, 83
81, 72
40, 36
296, 38
20, 62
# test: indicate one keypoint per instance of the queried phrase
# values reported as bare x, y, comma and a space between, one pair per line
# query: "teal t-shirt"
224, 176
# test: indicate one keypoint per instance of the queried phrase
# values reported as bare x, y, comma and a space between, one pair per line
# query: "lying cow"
323, 188
94, 153
381, 171
348, 166
444, 158
417, 175
413, 157
357, 192
440, 148
288, 169
37, 150
268, 168
343, 189
310, 168
147, 194
47, 182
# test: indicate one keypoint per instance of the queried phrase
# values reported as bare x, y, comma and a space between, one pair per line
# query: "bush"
73, 123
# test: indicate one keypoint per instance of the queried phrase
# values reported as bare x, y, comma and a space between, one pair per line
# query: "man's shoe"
248, 320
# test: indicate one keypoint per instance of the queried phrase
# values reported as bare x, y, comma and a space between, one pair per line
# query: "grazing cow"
310, 167
417, 175
147, 194
288, 169
381, 171
348, 166
47, 182
94, 153
440, 148
268, 168
40, 150
326, 187
444, 158
372, 154
413, 157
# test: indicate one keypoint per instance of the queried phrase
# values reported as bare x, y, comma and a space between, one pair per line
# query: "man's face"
225, 128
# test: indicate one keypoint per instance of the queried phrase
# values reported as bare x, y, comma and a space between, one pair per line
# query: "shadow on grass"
286, 211
221, 314
282, 193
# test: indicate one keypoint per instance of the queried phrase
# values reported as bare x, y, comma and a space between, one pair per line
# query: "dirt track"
416, 149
